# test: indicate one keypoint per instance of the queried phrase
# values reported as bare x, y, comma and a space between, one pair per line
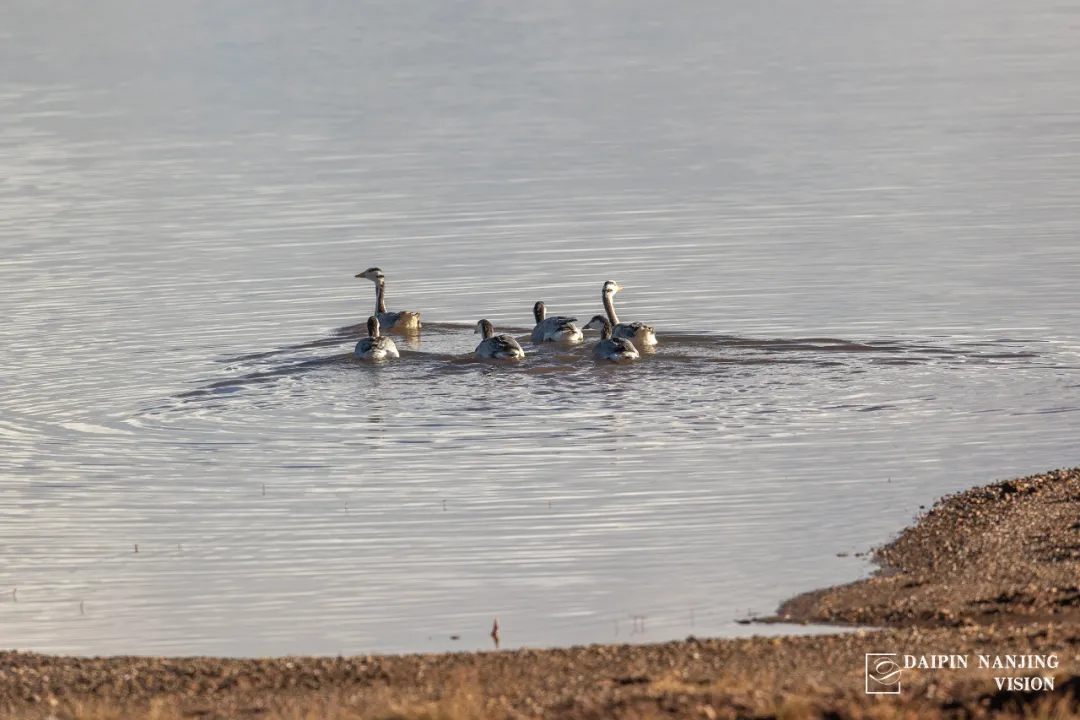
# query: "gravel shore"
992, 572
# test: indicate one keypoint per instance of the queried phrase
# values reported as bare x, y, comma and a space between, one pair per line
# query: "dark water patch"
1053, 411
897, 361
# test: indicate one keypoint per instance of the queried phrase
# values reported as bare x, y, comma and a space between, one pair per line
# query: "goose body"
638, 332
401, 321
496, 347
375, 346
617, 350
554, 329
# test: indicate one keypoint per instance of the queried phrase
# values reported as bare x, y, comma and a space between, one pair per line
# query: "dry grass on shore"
466, 703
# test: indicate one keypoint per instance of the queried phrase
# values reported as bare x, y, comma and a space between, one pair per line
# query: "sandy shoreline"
1001, 554
994, 571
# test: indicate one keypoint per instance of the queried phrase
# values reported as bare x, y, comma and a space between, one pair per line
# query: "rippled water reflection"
853, 227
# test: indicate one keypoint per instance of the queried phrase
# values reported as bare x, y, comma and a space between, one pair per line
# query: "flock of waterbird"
618, 340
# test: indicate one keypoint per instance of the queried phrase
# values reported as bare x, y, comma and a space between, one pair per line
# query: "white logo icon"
883, 674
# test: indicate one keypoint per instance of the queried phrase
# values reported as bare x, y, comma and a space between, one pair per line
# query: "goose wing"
506, 346
635, 331
624, 348
386, 345
376, 348
555, 328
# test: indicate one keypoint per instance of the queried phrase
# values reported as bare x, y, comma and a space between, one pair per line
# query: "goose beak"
359, 275
618, 287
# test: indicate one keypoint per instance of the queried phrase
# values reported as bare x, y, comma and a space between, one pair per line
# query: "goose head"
599, 322
374, 274
610, 288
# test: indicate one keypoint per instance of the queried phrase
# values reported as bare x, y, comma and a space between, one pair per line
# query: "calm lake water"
854, 225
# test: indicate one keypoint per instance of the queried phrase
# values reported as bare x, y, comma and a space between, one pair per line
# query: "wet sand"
993, 571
